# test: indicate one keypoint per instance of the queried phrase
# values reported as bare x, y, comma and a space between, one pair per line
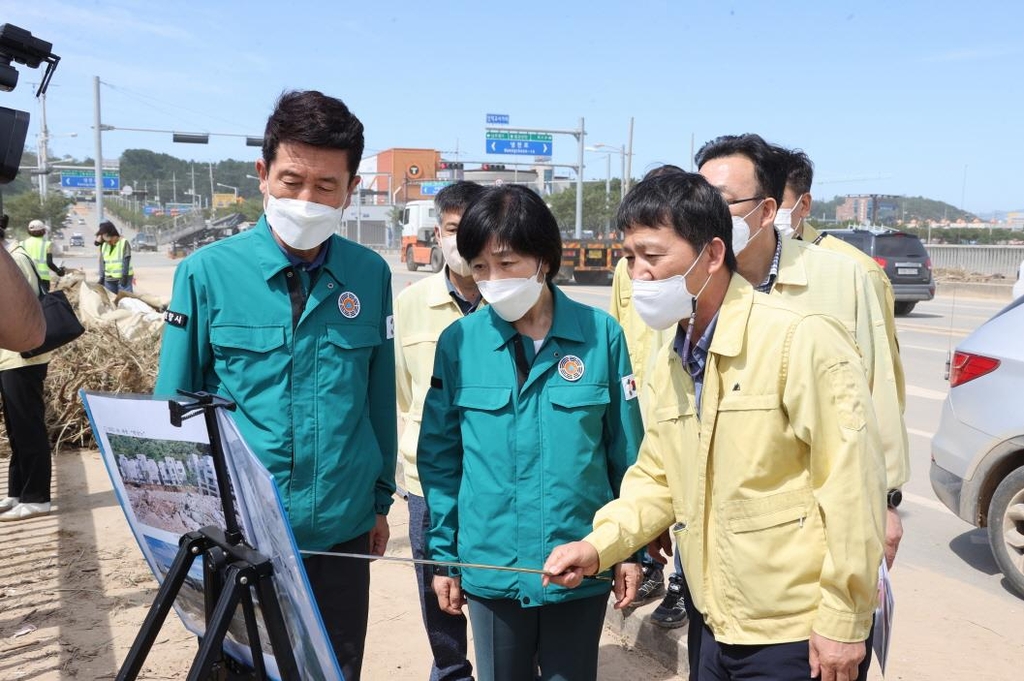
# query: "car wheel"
436, 260
1006, 528
410, 263
904, 307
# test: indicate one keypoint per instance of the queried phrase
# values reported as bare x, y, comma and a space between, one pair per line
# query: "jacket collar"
791, 266
272, 259
733, 317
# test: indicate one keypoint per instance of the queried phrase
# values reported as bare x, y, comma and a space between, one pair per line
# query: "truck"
419, 245
589, 261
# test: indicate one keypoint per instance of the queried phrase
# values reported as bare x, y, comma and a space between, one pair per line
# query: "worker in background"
40, 249
116, 270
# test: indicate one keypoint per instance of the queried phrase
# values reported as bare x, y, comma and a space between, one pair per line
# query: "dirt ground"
74, 590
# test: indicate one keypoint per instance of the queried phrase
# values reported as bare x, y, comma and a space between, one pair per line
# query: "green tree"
598, 209
26, 207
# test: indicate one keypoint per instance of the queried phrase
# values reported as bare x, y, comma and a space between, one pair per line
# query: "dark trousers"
341, 587
777, 662
24, 410
562, 638
446, 633
114, 285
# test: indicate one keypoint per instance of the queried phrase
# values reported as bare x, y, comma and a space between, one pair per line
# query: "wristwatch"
894, 498
446, 571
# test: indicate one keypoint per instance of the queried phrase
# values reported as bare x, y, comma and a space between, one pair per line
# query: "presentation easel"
231, 571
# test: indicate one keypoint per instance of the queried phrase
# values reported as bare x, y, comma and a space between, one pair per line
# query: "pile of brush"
105, 358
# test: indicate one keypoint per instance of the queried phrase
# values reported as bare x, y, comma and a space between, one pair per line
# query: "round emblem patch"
571, 368
348, 303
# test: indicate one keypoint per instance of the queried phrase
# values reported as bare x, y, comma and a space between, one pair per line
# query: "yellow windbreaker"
422, 312
777, 489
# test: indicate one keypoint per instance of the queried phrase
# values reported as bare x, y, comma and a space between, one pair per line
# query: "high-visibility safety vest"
113, 260
38, 247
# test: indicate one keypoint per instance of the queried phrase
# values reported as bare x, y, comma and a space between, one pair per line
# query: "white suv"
978, 451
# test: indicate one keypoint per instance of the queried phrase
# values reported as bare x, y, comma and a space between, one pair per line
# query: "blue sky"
889, 97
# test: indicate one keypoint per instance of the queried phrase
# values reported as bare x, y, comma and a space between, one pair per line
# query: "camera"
21, 47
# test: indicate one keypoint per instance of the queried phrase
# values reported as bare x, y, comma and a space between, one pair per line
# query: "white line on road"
920, 433
925, 393
926, 502
904, 346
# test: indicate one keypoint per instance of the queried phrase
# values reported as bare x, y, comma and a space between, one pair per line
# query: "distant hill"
911, 207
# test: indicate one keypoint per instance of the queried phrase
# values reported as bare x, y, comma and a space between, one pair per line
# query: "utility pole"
581, 134
174, 187
608, 194
629, 159
98, 165
193, 167
41, 160
211, 185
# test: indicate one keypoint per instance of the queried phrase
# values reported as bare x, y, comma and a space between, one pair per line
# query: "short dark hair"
514, 216
799, 170
455, 198
313, 118
769, 166
662, 169
687, 203
107, 227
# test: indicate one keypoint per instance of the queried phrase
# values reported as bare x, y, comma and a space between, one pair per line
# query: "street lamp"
607, 183
612, 149
228, 186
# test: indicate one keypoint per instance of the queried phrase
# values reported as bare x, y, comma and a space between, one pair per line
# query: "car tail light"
928, 263
881, 261
967, 367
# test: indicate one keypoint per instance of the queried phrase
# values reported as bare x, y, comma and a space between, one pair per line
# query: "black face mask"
98, 242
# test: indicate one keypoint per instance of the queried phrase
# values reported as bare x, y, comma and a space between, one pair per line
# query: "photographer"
23, 327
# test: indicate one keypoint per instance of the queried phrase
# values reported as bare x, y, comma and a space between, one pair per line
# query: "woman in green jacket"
528, 428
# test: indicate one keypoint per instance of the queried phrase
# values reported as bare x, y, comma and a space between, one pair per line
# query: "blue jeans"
114, 285
446, 633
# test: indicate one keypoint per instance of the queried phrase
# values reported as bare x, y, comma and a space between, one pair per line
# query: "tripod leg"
191, 547
276, 629
217, 626
253, 632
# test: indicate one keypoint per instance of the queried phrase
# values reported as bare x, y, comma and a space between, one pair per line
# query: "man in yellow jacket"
751, 175
422, 312
760, 451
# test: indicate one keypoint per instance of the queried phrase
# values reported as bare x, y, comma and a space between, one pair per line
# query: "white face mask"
664, 302
302, 225
784, 220
456, 263
512, 298
741, 231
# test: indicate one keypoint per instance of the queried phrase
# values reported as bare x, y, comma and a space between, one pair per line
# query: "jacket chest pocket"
343, 357
243, 348
577, 416
487, 425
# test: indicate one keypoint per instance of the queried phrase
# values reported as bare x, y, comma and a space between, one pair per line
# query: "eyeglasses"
735, 201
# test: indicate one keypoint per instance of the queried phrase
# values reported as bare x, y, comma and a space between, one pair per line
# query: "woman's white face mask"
302, 225
512, 298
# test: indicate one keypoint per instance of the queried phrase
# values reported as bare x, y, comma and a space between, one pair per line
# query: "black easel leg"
276, 630
192, 546
217, 626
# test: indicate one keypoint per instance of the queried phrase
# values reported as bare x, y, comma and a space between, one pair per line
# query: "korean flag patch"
629, 391
389, 325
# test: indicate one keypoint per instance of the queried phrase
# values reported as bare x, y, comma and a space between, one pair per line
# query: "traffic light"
492, 166
450, 165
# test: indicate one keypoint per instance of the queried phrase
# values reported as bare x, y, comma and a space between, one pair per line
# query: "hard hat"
37, 226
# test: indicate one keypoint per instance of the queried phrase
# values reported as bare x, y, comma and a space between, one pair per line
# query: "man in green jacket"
294, 324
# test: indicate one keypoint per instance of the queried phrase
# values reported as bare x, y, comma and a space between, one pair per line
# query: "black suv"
902, 256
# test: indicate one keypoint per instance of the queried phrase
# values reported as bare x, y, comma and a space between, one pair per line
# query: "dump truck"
419, 245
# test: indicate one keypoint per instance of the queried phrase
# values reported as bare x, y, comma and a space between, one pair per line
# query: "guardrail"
1004, 260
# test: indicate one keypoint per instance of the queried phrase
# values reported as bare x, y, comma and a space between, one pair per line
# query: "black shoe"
672, 611
652, 586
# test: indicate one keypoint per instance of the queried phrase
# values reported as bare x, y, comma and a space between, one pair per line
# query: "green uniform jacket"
509, 473
316, 402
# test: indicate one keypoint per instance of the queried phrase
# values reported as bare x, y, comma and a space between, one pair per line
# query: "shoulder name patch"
176, 318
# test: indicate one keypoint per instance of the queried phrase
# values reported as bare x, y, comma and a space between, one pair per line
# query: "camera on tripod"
21, 47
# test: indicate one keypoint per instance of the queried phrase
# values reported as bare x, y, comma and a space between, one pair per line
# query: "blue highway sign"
86, 179
432, 188
519, 147
497, 119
